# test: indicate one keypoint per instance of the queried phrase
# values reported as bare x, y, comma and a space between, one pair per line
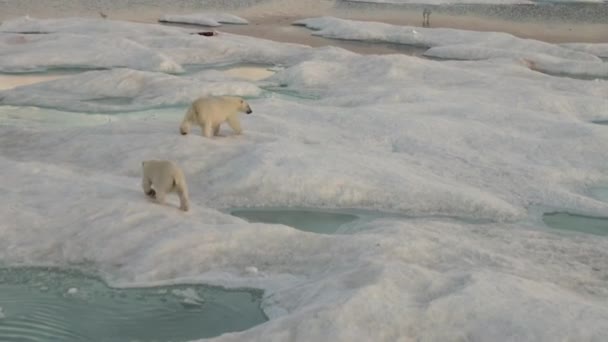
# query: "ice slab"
332, 27
445, 2
67, 305
598, 49
212, 19
65, 51
124, 90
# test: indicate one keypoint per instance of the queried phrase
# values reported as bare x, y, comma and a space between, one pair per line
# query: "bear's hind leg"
147, 186
182, 191
160, 197
216, 130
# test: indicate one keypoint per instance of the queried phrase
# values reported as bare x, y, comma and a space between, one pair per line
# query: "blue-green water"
40, 304
316, 221
578, 223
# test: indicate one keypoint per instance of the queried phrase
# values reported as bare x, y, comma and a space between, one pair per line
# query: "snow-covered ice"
204, 19
448, 2
598, 49
571, 60
125, 90
464, 150
468, 2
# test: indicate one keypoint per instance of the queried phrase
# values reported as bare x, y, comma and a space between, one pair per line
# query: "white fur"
210, 112
164, 177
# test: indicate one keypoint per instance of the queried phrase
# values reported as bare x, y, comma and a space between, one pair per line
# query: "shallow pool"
578, 223
42, 304
310, 220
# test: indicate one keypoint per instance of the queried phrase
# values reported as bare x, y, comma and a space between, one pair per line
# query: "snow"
570, 60
94, 44
465, 2
467, 153
540, 62
445, 2
125, 90
332, 27
598, 49
67, 51
204, 19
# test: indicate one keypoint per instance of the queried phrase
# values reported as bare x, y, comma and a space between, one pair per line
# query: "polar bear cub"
161, 177
210, 112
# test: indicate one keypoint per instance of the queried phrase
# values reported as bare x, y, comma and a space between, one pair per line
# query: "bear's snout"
249, 111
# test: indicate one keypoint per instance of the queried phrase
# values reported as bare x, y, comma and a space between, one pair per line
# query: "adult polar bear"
210, 112
161, 177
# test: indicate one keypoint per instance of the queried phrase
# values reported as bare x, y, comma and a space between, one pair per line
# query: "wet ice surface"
43, 304
577, 223
477, 141
310, 220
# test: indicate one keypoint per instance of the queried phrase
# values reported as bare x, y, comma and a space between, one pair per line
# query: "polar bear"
165, 177
210, 112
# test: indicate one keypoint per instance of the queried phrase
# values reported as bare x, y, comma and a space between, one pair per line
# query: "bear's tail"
184, 128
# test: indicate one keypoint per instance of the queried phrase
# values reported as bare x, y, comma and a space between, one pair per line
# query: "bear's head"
244, 107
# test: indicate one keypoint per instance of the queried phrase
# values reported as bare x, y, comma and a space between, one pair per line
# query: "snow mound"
331, 27
599, 49
204, 19
539, 62
123, 90
53, 51
91, 26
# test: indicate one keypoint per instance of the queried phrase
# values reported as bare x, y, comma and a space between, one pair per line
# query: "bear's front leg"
207, 130
235, 125
216, 130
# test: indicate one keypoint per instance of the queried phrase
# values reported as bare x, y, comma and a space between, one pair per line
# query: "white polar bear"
211, 112
165, 177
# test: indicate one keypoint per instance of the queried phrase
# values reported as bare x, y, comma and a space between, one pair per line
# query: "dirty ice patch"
332, 27
123, 90
204, 19
66, 51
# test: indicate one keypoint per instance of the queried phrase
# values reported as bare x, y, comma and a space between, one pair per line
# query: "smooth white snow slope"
205, 19
572, 60
470, 152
